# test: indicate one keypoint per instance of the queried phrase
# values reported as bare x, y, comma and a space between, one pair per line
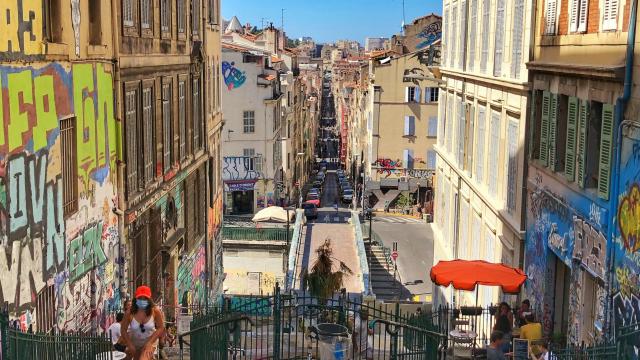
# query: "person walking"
143, 325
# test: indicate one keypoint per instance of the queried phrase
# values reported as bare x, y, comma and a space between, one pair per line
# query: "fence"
362, 253
18, 345
252, 233
294, 249
280, 327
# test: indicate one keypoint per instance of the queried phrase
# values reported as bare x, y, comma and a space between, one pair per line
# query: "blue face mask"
143, 304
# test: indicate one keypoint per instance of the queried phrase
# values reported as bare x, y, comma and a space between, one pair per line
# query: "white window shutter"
427, 94
410, 162
610, 15
406, 125
463, 34
412, 125
582, 17
416, 94
574, 8
405, 158
486, 28
454, 36
431, 159
406, 94
472, 34
499, 39
550, 10
516, 40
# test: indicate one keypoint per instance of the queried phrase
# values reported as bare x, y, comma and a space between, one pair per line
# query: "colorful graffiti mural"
233, 77
191, 278
78, 255
236, 168
21, 35
430, 34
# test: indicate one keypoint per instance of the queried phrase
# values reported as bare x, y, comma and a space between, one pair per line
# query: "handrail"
392, 328
294, 249
362, 253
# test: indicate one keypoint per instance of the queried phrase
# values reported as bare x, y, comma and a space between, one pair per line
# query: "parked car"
314, 191
347, 195
317, 183
314, 199
310, 210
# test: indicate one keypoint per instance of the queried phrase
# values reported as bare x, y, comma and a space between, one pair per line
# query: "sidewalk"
382, 213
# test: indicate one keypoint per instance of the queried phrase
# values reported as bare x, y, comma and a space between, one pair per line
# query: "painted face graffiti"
233, 77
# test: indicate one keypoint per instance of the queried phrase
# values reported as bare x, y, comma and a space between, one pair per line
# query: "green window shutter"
544, 131
570, 155
606, 147
583, 126
553, 114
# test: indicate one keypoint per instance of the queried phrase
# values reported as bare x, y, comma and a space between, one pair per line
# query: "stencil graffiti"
430, 34
240, 168
233, 77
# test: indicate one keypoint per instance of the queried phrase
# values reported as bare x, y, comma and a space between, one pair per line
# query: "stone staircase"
383, 284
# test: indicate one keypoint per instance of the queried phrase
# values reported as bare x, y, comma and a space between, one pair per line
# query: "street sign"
394, 255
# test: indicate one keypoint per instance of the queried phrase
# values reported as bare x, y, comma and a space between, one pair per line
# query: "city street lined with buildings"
175, 183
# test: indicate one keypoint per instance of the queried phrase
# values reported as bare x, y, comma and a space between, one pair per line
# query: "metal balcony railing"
258, 234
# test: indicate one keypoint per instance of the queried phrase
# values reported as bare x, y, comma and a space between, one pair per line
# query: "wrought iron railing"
279, 327
18, 345
253, 233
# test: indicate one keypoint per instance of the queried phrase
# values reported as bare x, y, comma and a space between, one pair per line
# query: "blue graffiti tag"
233, 77
430, 34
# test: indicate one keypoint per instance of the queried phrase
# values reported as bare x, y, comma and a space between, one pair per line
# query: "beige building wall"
481, 135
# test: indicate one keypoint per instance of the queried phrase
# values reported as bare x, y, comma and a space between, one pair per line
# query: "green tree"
403, 201
322, 281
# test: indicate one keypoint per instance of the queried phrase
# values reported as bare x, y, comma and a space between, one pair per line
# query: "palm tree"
322, 281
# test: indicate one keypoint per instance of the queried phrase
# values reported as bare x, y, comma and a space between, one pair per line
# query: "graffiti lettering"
629, 219
21, 270
421, 174
541, 201
589, 246
191, 277
233, 77
240, 168
430, 34
22, 28
85, 252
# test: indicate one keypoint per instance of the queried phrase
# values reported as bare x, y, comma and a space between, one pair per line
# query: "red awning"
467, 274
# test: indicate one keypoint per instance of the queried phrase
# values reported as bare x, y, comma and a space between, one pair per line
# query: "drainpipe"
115, 45
621, 104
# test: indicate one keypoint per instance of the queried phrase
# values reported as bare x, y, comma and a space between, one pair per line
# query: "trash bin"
334, 341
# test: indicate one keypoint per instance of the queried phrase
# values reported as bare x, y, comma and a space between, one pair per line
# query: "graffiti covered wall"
233, 77
626, 247
39, 248
568, 227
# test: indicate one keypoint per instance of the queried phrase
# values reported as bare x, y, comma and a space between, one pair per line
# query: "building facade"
481, 133
582, 173
110, 133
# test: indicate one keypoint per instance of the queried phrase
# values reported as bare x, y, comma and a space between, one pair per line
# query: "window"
198, 121
431, 159
610, 15
195, 17
409, 125
165, 15
462, 128
213, 12
480, 141
450, 116
249, 154
589, 308
249, 122
606, 148
512, 164
468, 137
559, 136
127, 12
412, 94
95, 24
463, 224
69, 166
516, 38
571, 143
167, 127
182, 119
490, 244
498, 46
494, 153
46, 308
447, 27
432, 128
589, 138
146, 14
472, 34
578, 17
53, 20
454, 34
149, 134
431, 94
407, 158
486, 24
550, 14
181, 16
131, 109
442, 108
463, 34
476, 227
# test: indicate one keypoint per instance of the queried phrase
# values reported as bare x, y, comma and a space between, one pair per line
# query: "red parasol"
467, 274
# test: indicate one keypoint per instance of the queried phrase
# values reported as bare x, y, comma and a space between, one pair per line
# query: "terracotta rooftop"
275, 59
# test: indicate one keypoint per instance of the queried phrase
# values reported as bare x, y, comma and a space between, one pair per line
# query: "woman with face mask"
142, 326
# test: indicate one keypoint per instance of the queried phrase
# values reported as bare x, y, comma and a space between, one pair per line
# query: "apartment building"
481, 136
110, 155
582, 174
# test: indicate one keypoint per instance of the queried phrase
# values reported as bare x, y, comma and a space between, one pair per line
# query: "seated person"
532, 330
494, 350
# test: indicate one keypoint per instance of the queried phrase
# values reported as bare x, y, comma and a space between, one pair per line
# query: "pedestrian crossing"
397, 220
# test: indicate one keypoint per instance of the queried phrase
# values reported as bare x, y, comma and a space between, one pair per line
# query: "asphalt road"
415, 253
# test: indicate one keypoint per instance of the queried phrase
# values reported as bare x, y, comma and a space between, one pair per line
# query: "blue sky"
330, 20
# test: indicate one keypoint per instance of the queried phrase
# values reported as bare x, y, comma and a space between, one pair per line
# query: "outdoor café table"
462, 334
